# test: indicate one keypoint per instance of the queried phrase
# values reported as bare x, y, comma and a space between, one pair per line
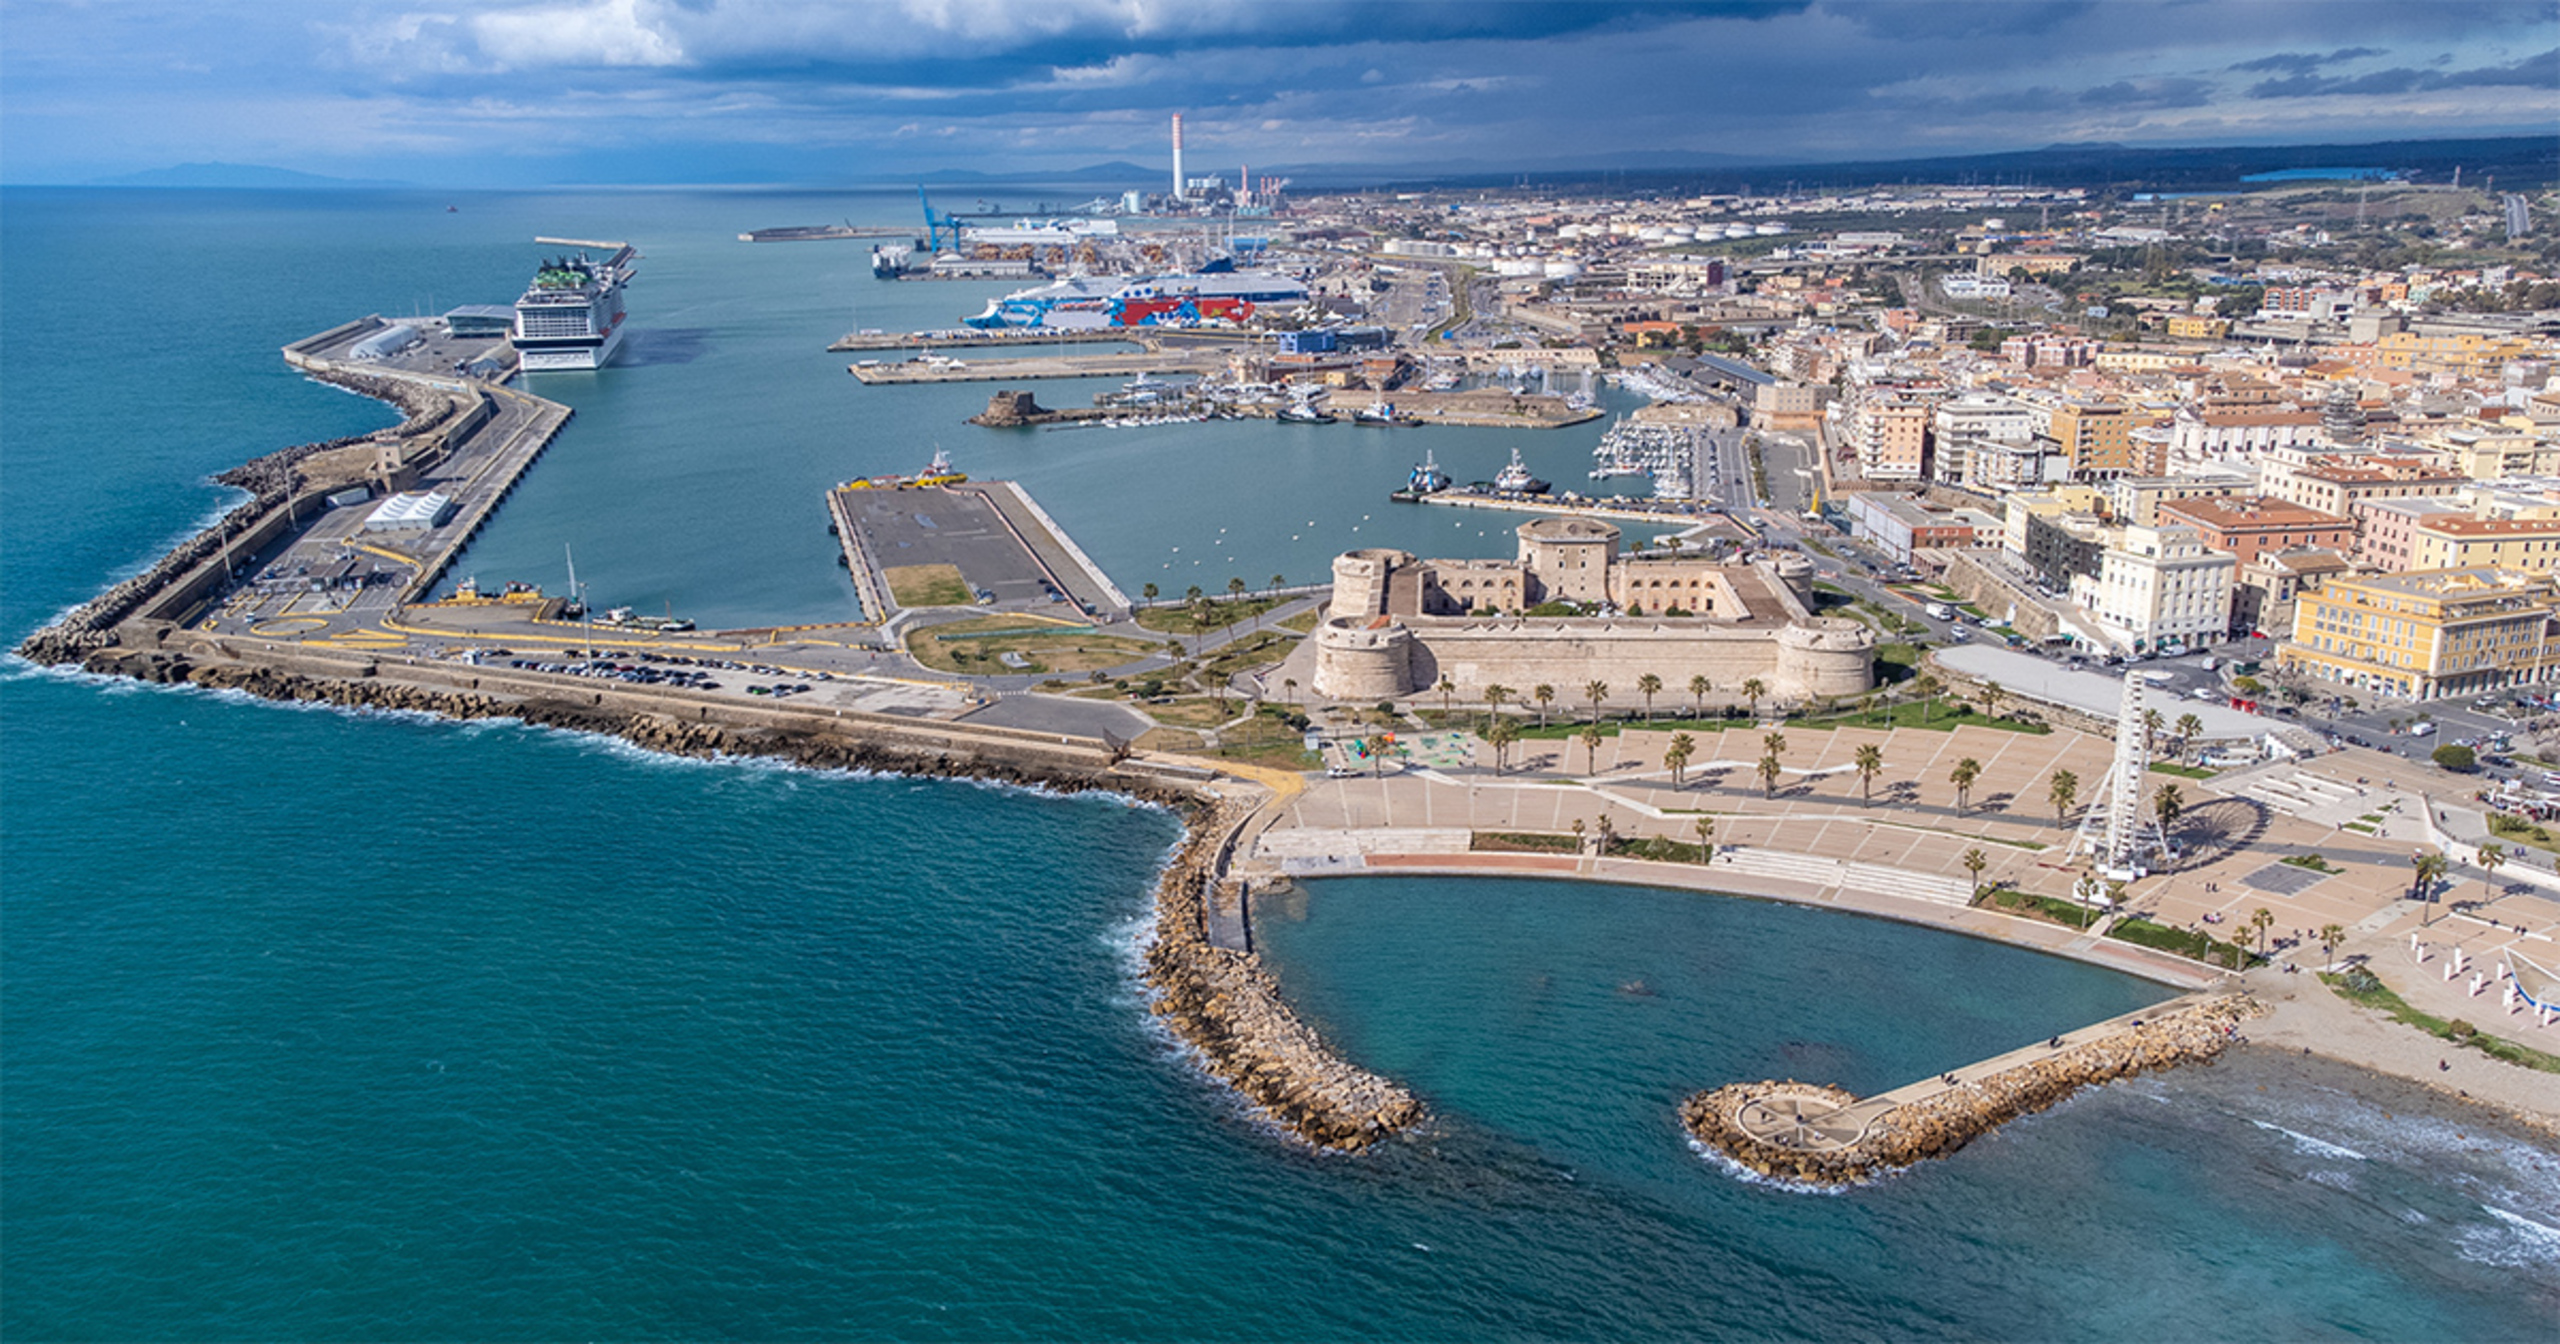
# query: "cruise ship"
1216, 293
571, 315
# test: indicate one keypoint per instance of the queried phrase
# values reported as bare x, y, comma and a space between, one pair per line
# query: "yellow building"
2468, 353
2427, 633
2486, 454
2190, 326
2528, 544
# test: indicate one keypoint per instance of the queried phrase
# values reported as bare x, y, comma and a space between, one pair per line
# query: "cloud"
2541, 70
2302, 62
600, 33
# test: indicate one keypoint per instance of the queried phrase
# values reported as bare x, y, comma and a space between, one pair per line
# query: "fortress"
1399, 625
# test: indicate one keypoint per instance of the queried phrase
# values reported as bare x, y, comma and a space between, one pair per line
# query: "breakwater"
1823, 1135
1227, 1007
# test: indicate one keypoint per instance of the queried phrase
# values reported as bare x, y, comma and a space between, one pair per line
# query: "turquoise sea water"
322, 1026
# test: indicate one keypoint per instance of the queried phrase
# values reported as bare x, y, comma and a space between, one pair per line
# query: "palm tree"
1377, 744
2062, 793
1595, 692
2330, 936
1869, 763
2168, 803
1769, 775
1151, 591
1235, 588
1991, 694
1545, 695
1591, 749
1775, 742
2150, 729
1706, 829
1446, 688
1650, 686
1192, 594
1752, 690
2115, 900
1608, 834
1677, 755
2430, 870
1277, 583
1928, 685
1502, 734
1577, 835
2491, 858
1966, 771
1289, 690
1698, 688
2262, 919
1974, 862
2189, 729
1494, 694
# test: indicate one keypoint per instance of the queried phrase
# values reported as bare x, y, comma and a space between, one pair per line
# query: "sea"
319, 1025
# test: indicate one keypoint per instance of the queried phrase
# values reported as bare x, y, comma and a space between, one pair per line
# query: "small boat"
1305, 413
1515, 478
1377, 414
1427, 479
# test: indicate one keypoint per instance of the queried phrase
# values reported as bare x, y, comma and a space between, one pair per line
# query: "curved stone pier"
1824, 1135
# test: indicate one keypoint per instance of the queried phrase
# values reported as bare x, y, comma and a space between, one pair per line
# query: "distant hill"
239, 175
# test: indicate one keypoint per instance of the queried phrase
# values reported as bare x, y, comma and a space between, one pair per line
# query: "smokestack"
1177, 156
1244, 182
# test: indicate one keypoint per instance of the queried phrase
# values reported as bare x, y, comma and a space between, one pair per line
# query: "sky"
503, 93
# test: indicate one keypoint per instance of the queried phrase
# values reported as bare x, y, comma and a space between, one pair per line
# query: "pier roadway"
1121, 364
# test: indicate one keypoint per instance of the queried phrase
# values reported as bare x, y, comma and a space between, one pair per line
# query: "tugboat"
1516, 480
1427, 479
1377, 415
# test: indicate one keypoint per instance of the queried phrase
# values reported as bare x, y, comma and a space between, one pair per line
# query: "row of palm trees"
2431, 869
1496, 695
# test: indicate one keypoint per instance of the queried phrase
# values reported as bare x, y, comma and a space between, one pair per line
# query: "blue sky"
528, 92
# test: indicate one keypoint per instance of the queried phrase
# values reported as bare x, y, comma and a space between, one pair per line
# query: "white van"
2421, 729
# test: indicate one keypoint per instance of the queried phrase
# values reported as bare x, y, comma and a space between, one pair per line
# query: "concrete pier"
1117, 364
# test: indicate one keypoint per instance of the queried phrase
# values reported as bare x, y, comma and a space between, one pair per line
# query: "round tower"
1828, 655
1796, 573
1360, 580
1364, 659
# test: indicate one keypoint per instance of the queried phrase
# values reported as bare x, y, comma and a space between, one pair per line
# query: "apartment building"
2137, 499
2529, 545
2157, 586
2426, 634
2333, 486
2251, 526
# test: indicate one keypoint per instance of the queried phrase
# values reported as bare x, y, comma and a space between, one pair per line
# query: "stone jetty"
1225, 1005
1821, 1135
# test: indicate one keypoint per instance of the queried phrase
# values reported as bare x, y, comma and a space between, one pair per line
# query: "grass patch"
2185, 942
1218, 615
2311, 862
1167, 739
1943, 716
978, 645
1521, 842
2360, 828
1201, 713
2181, 771
2364, 989
2518, 830
928, 586
2046, 908
1304, 622
1252, 651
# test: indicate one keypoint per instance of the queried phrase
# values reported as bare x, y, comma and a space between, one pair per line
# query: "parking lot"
948, 527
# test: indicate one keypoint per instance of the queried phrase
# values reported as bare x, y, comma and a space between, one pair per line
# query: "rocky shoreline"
1227, 1007
1946, 1120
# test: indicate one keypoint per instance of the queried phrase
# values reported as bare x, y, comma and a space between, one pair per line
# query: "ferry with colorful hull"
1217, 294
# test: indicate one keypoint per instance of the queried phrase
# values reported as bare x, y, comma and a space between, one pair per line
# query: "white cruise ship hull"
586, 355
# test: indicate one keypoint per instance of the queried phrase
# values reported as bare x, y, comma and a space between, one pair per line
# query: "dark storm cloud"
2541, 70
2304, 62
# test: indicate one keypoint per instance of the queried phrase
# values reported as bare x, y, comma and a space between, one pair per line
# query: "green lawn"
927, 586
2184, 942
1222, 612
1944, 715
2181, 771
2045, 908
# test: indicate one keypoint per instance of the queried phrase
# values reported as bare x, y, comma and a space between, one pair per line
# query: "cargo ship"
571, 315
802, 233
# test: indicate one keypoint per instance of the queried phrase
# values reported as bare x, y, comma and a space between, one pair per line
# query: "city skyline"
782, 91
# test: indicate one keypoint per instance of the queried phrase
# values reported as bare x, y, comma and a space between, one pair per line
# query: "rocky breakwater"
1825, 1136
1225, 1005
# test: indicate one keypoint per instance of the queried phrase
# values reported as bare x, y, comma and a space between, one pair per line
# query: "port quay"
295, 595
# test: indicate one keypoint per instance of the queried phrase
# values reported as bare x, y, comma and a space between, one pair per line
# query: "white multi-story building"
2160, 585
